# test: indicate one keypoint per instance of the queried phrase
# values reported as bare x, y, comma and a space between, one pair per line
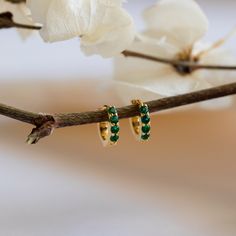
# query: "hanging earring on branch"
141, 124
109, 130
46, 123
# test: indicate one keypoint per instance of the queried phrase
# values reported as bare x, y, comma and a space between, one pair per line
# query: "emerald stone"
146, 119
146, 129
115, 129
112, 110
144, 109
145, 136
114, 138
114, 119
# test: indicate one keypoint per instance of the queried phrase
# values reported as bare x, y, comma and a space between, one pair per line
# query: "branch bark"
6, 22
46, 123
179, 65
16, 1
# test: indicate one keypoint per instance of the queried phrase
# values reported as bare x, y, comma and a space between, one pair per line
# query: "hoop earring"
141, 125
109, 130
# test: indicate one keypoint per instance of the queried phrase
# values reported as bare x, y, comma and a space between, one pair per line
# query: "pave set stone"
145, 118
114, 120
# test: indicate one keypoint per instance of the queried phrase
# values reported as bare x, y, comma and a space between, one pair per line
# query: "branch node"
40, 132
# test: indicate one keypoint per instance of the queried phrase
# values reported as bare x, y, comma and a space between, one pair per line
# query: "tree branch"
179, 65
6, 21
46, 123
16, 1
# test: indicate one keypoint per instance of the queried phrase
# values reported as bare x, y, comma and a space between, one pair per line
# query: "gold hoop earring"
109, 130
141, 125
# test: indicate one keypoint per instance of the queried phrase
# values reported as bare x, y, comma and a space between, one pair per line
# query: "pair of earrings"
141, 125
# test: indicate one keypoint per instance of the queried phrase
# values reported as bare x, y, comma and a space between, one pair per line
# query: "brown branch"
176, 63
46, 123
29, 27
6, 21
16, 1
8, 24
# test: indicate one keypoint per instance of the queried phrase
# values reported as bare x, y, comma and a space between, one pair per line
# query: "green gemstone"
115, 129
146, 129
114, 138
146, 119
112, 110
144, 109
114, 119
145, 136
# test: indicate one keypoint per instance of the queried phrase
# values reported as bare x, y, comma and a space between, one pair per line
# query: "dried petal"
181, 21
104, 27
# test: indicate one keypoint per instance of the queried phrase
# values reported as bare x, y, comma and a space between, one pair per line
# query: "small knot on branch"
40, 132
6, 20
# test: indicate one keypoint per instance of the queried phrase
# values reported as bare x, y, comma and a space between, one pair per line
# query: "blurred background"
181, 183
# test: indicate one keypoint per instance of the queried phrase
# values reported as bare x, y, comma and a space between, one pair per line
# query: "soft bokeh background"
180, 183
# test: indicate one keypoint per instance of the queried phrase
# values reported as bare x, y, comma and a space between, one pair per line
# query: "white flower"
174, 28
102, 25
21, 14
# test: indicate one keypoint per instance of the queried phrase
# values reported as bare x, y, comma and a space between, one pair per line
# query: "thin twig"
29, 27
176, 63
16, 1
4, 23
46, 123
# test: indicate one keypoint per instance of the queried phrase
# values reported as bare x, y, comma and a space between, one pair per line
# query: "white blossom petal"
218, 56
181, 21
165, 83
39, 9
128, 92
131, 70
104, 27
109, 40
222, 57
